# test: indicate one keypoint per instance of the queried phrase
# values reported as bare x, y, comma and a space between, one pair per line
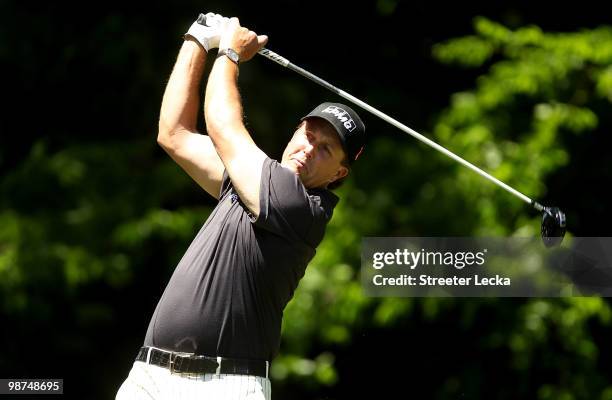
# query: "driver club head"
553, 226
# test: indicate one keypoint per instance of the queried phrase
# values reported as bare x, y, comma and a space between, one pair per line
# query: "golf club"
553, 219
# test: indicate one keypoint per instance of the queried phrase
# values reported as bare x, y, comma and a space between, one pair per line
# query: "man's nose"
309, 150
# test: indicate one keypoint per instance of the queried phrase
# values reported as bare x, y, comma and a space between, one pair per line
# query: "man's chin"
295, 168
290, 166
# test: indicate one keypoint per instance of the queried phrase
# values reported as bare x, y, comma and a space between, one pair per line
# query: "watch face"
233, 55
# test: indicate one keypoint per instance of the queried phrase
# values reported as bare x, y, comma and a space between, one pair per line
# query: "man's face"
315, 154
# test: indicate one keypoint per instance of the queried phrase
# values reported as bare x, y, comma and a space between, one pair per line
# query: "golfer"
217, 325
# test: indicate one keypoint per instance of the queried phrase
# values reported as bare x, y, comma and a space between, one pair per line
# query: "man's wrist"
194, 48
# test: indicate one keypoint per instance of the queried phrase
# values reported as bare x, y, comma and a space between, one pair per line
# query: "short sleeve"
288, 209
226, 184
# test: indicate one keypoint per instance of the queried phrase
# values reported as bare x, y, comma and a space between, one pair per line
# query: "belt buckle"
171, 362
218, 370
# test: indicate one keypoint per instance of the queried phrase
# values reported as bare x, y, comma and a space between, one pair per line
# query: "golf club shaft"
286, 63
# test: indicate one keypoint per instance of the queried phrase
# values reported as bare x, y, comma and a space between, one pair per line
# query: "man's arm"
242, 159
177, 135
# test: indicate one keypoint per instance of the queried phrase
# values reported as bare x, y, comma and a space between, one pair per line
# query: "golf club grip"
286, 63
269, 54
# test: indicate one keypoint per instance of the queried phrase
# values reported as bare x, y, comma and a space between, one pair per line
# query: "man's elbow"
167, 136
164, 140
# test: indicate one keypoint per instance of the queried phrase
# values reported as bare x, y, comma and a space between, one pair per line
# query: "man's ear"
341, 173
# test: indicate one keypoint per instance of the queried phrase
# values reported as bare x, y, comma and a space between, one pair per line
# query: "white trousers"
150, 382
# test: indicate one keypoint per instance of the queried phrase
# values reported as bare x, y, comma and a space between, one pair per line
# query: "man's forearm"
180, 104
222, 104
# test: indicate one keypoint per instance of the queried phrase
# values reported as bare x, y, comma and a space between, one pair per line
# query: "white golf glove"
207, 30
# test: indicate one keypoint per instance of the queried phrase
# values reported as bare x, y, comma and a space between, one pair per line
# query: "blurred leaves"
65, 224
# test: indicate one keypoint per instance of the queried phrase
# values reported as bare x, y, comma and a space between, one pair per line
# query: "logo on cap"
342, 116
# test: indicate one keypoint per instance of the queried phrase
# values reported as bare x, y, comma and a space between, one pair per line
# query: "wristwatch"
230, 53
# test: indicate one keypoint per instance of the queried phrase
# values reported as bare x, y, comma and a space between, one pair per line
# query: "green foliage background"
91, 226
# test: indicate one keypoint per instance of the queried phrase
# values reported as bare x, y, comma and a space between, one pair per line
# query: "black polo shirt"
228, 292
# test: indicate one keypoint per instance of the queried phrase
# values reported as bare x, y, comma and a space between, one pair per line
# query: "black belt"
195, 364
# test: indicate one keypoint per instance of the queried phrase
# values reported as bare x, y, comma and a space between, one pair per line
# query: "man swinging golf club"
217, 325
